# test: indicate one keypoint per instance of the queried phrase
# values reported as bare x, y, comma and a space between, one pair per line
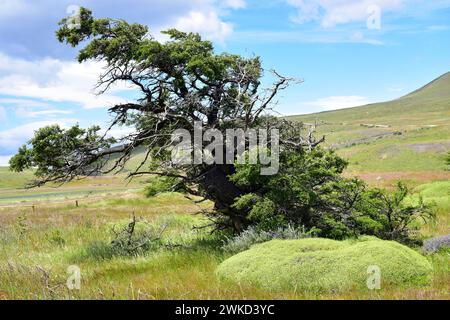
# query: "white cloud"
206, 23
23, 102
234, 4
31, 113
338, 102
12, 139
4, 161
120, 132
54, 80
26, 108
331, 12
206, 17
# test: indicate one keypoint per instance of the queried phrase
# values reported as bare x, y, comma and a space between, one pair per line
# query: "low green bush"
159, 185
317, 265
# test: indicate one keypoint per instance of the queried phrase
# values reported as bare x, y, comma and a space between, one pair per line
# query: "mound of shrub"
320, 265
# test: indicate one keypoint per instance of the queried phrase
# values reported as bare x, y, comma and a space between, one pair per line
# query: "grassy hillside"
410, 134
10, 179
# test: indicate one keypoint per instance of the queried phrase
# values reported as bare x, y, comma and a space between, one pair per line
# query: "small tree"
180, 82
398, 216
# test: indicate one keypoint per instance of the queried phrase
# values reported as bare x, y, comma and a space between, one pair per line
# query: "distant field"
10, 179
12, 188
410, 134
437, 193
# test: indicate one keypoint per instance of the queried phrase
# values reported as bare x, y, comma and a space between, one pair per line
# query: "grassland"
38, 246
13, 189
44, 231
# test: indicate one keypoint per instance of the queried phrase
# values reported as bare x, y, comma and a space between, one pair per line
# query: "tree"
183, 82
447, 159
180, 82
395, 214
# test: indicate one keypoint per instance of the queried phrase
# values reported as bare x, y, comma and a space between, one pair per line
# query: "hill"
407, 137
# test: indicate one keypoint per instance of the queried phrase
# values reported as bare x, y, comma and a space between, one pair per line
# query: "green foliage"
115, 39
160, 185
309, 191
54, 149
396, 218
295, 195
322, 265
447, 159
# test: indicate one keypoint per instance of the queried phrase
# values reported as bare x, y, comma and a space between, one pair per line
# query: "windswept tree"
182, 82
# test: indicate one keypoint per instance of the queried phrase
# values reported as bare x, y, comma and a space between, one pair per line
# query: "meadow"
40, 243
44, 231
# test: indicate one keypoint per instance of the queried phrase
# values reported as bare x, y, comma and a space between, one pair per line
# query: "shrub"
324, 265
435, 244
296, 195
338, 209
137, 238
159, 185
394, 217
309, 191
253, 236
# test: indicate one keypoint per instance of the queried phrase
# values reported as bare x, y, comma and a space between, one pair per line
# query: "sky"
348, 52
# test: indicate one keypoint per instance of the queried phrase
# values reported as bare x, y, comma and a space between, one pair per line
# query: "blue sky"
348, 52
